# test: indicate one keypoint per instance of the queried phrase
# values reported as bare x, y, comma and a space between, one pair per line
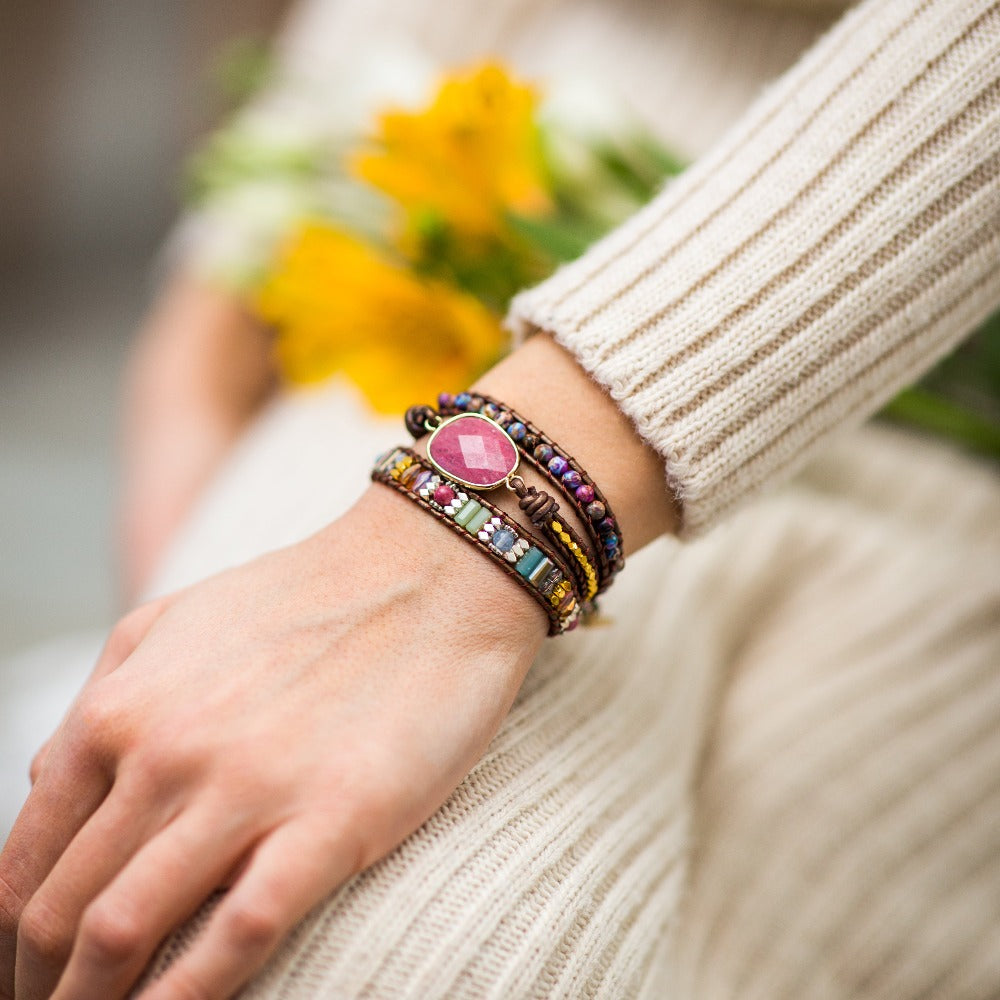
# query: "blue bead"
611, 541
503, 540
558, 465
517, 430
462, 400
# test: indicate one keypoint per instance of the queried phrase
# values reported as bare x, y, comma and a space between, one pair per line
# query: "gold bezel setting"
458, 479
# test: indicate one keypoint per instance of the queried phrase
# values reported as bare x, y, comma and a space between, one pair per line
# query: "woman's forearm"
200, 368
544, 381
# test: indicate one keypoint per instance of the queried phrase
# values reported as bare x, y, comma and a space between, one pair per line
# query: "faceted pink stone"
473, 450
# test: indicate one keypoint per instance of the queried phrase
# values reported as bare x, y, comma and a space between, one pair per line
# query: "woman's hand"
275, 729
200, 371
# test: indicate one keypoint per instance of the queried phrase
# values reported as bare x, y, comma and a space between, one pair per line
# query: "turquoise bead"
468, 512
479, 520
529, 561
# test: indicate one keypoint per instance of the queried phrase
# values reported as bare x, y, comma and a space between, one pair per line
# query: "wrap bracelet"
552, 461
527, 560
477, 452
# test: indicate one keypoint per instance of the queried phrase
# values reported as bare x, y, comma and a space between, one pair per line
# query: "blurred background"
100, 103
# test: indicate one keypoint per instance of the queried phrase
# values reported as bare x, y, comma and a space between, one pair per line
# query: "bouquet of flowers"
384, 244
389, 254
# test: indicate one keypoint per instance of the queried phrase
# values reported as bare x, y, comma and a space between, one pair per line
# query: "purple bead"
543, 453
608, 524
420, 480
571, 480
585, 493
530, 442
596, 510
558, 465
445, 400
462, 401
517, 430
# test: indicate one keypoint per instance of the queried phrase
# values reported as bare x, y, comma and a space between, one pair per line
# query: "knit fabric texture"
842, 237
772, 777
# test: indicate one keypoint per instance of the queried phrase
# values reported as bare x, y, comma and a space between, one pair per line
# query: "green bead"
468, 512
479, 520
529, 561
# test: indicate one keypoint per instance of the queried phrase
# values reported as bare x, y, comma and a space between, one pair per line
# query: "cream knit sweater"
776, 775
842, 236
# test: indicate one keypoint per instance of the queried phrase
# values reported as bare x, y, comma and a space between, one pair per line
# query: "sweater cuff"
836, 242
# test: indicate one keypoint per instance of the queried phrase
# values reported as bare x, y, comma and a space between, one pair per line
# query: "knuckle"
43, 933
11, 906
253, 926
94, 717
121, 640
110, 932
130, 628
157, 765
151, 765
36, 764
184, 985
101, 723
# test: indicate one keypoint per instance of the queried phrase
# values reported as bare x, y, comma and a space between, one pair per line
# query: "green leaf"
929, 411
557, 237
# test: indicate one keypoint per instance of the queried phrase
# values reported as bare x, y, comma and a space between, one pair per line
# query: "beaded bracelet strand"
483, 456
523, 557
560, 468
553, 462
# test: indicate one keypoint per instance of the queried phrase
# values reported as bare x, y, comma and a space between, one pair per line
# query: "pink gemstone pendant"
473, 450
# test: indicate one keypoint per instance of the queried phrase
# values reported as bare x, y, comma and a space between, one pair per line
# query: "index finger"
65, 796
69, 785
118, 647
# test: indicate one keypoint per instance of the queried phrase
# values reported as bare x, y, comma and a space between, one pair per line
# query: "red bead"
444, 495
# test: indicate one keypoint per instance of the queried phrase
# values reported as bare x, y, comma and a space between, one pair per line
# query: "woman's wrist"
457, 583
538, 378
545, 382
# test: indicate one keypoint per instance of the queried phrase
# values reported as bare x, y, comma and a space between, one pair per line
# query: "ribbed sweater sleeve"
841, 237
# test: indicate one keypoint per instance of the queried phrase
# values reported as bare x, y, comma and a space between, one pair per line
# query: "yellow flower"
339, 305
464, 161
